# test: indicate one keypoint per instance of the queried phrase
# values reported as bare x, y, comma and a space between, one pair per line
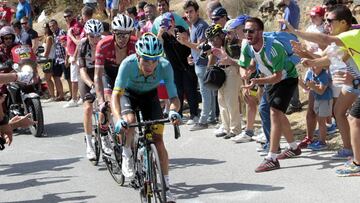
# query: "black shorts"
148, 103
59, 69
110, 73
280, 94
355, 109
83, 87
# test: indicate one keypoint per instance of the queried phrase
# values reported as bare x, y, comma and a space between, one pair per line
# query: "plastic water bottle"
337, 65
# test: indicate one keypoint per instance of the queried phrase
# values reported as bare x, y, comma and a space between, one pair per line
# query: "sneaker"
268, 165
229, 135
105, 145
127, 165
221, 134
317, 145
349, 169
343, 154
51, 99
90, 153
242, 138
330, 130
289, 153
262, 147
170, 197
80, 101
192, 121
199, 126
305, 142
70, 104
260, 138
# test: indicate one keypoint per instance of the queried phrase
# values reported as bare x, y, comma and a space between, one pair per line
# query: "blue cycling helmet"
149, 47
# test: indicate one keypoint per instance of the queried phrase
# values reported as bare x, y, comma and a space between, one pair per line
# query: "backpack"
284, 38
214, 77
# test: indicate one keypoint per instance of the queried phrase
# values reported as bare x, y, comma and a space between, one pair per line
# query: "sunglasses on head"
250, 31
67, 16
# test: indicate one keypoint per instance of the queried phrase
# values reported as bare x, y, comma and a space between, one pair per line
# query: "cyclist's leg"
152, 111
88, 108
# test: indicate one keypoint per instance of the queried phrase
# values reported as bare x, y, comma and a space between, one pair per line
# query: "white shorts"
335, 90
74, 70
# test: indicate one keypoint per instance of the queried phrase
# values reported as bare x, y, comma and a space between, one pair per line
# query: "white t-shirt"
314, 47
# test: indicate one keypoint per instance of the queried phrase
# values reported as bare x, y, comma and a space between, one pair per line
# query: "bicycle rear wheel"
156, 177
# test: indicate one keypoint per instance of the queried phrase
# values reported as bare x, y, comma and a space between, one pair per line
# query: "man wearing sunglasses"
219, 16
110, 52
280, 80
33, 41
136, 86
339, 22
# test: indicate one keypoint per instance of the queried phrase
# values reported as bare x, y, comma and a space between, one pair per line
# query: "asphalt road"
202, 169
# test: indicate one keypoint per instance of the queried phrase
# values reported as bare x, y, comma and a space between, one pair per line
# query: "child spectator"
319, 84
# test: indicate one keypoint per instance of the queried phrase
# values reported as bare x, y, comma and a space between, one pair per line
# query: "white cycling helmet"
7, 30
122, 22
93, 26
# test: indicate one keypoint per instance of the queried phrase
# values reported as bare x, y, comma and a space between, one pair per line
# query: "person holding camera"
197, 37
184, 74
228, 93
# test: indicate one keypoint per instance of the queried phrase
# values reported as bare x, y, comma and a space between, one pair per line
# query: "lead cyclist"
136, 86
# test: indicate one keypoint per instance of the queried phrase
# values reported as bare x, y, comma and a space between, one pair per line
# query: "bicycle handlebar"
159, 121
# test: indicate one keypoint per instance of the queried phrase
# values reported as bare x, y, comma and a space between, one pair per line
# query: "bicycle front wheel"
156, 177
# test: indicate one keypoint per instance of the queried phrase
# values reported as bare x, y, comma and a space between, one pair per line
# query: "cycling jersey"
130, 77
105, 56
85, 59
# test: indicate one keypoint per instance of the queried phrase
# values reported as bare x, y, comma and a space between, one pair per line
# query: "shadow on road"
63, 129
185, 191
56, 197
37, 167
33, 183
189, 162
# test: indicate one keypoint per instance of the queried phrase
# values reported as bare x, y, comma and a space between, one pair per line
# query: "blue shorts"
351, 89
112, 4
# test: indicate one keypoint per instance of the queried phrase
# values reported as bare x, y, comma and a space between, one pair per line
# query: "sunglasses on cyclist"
122, 35
249, 31
215, 19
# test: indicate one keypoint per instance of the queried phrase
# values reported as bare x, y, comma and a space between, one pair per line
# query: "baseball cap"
317, 10
219, 12
331, 2
240, 20
168, 16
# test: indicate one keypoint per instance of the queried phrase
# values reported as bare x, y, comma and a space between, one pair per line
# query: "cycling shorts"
110, 73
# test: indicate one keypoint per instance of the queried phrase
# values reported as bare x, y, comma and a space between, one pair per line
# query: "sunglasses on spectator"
250, 31
67, 16
215, 19
329, 21
24, 23
122, 35
8, 38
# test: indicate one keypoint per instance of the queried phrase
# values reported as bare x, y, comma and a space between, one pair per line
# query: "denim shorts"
351, 89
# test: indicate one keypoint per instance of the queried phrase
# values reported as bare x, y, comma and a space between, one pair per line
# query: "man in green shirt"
280, 80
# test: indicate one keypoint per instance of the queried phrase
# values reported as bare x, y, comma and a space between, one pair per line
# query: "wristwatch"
356, 83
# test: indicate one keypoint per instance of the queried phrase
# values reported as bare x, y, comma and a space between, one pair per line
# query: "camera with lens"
203, 49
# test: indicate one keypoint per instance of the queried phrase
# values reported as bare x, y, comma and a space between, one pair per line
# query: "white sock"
167, 181
127, 152
293, 145
88, 140
271, 156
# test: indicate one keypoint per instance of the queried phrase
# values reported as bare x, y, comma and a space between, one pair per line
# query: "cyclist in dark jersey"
86, 59
136, 87
110, 51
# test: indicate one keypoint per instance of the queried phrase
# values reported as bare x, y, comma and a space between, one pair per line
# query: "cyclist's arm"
82, 64
115, 104
99, 87
119, 88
